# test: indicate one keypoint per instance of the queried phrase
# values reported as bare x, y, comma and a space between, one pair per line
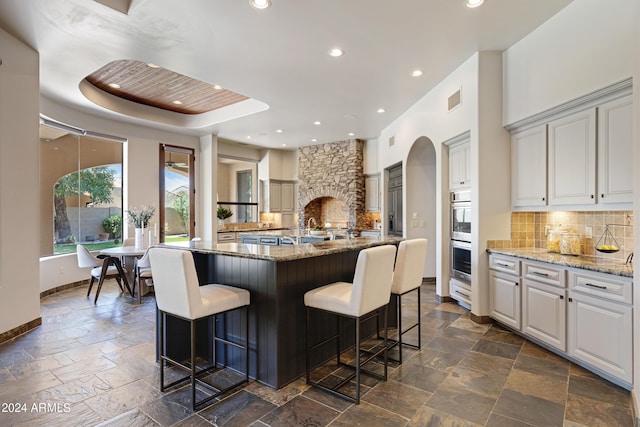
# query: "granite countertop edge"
585, 262
283, 253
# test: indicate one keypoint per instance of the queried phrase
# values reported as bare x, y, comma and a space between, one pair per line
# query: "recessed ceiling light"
336, 52
284, 145
217, 87
317, 123
260, 4
416, 73
248, 136
474, 3
176, 102
380, 110
278, 130
314, 140
152, 65
114, 85
351, 133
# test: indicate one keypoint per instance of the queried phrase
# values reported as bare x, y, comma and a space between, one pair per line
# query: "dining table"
124, 256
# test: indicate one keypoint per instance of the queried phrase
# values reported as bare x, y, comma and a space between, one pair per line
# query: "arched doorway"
420, 215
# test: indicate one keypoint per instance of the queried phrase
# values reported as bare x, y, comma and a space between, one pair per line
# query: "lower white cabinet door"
505, 298
600, 334
544, 313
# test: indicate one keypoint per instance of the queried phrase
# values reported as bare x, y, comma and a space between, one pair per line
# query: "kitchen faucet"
309, 224
289, 239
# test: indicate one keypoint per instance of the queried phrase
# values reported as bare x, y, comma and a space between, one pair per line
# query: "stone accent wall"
332, 170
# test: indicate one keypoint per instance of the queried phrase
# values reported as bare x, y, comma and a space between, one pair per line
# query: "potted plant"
223, 213
113, 225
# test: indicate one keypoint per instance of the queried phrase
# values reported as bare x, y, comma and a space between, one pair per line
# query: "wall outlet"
588, 232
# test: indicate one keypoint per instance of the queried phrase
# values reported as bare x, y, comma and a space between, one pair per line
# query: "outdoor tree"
96, 182
181, 205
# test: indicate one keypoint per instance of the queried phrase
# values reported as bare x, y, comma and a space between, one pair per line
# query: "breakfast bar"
277, 277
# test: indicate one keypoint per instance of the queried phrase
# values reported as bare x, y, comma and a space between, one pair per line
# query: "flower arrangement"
139, 217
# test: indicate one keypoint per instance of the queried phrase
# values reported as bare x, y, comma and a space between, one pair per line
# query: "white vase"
139, 238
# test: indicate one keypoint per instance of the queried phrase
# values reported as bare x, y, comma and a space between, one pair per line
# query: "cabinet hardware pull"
539, 273
602, 196
595, 286
543, 199
515, 283
592, 196
561, 297
462, 293
570, 299
503, 264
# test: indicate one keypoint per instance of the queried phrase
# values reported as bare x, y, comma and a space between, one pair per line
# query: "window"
80, 190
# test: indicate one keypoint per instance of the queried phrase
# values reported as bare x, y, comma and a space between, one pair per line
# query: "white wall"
429, 118
584, 47
19, 184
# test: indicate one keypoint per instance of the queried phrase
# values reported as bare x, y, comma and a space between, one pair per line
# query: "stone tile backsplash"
529, 229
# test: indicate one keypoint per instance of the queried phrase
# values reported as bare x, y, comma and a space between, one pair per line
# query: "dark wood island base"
277, 277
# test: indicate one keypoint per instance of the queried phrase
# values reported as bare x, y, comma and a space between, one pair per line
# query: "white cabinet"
572, 159
591, 323
600, 324
615, 145
288, 197
504, 298
372, 193
275, 196
544, 313
529, 167
278, 196
582, 159
459, 165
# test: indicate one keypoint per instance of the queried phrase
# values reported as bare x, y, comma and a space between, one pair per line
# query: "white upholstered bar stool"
370, 291
178, 294
407, 277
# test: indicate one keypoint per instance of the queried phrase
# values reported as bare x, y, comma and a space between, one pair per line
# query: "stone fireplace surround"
334, 170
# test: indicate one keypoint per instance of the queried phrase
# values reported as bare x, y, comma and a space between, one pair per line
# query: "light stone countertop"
287, 252
587, 262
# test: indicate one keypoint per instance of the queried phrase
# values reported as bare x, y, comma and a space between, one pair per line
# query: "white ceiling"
277, 56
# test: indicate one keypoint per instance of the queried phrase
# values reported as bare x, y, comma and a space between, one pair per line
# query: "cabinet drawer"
460, 291
614, 288
226, 237
545, 273
504, 263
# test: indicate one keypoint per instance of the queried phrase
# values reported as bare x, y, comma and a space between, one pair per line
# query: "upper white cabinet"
288, 197
577, 157
529, 167
572, 159
372, 193
459, 162
615, 148
275, 196
278, 196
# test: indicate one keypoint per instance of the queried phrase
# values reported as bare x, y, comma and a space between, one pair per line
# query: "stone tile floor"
94, 365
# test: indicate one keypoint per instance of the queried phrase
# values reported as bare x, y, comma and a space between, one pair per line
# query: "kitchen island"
277, 277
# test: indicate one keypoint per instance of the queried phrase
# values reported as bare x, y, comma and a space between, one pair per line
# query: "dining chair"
179, 295
101, 269
369, 292
142, 273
